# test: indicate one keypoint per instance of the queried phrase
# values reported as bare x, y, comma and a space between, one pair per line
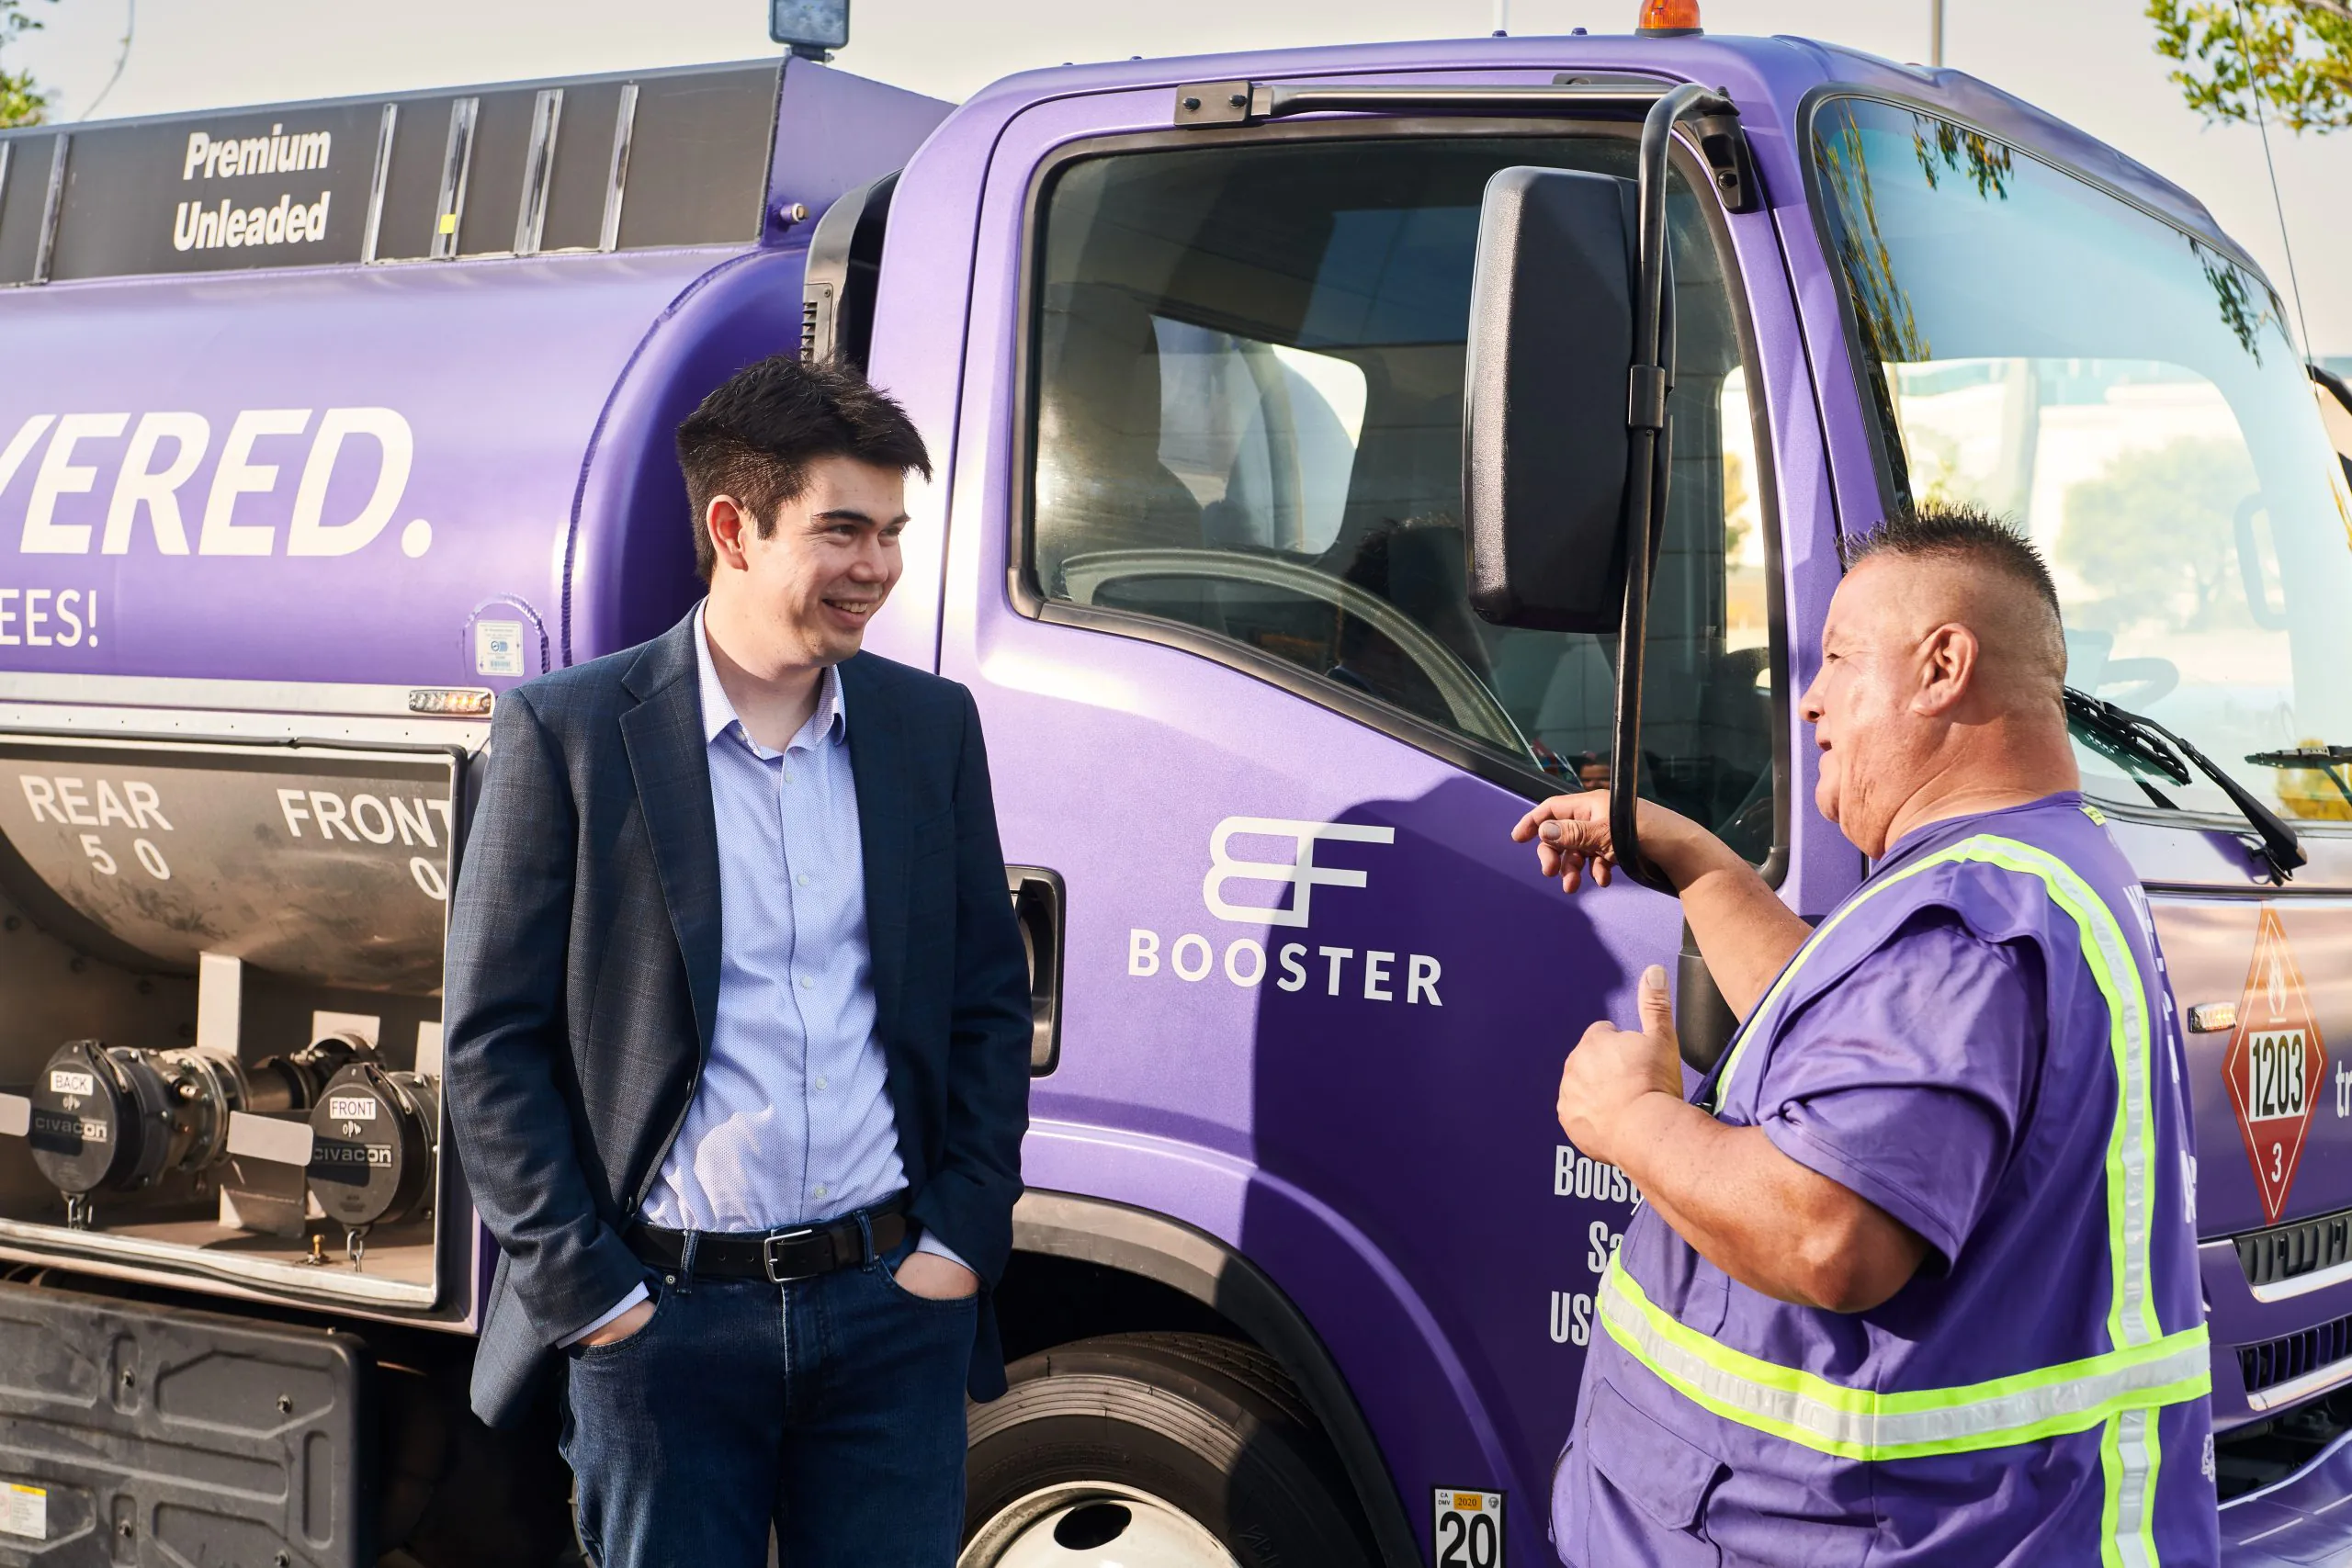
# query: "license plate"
1469, 1532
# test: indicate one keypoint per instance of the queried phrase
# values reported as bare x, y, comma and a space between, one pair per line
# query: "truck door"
1206, 576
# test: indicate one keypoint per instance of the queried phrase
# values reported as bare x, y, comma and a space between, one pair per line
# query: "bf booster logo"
1374, 973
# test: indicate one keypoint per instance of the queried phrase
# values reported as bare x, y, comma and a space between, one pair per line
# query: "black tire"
1210, 1426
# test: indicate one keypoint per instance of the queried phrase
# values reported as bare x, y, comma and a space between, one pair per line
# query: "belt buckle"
768, 1245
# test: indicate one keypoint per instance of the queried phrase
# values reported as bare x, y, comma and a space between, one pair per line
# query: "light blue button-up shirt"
792, 1122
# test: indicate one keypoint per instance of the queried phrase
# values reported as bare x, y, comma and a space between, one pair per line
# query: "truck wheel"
1154, 1450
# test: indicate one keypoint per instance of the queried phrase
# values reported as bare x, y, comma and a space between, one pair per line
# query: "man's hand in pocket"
621, 1327
934, 1277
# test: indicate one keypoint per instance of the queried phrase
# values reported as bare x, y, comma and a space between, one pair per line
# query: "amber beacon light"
1668, 19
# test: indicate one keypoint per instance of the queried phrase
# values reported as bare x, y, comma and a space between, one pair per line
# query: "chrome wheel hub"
1093, 1524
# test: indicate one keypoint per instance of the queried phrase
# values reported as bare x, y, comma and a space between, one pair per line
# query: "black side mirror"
2335, 386
2338, 420
1565, 445
1545, 446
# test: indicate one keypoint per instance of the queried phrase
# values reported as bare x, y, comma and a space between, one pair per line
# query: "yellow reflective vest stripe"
1860, 1424
2119, 1391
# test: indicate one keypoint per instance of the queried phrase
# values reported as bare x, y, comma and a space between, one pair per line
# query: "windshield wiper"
2134, 738
2323, 760
2110, 731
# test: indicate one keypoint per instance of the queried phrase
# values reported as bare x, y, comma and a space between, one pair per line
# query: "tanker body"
325, 424
1304, 1272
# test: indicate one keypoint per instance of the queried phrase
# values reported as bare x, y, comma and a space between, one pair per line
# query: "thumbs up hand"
1611, 1068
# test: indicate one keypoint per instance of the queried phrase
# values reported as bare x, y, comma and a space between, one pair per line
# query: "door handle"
1039, 901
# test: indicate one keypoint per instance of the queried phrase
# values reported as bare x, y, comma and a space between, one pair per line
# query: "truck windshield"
1248, 425
2127, 395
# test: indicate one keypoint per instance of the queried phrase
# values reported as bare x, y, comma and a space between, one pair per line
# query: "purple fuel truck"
1314, 494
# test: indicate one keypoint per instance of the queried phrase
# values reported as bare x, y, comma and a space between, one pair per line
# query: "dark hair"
754, 438
1976, 538
1953, 532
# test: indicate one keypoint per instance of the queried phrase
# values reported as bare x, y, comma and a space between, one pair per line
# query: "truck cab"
1306, 1270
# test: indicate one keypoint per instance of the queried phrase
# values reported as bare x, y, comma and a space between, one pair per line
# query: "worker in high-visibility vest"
1914, 1279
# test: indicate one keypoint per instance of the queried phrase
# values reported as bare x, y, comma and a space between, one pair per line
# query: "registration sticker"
24, 1511
498, 648
1469, 1528
2274, 1065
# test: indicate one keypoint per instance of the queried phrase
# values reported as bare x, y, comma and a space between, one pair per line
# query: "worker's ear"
1948, 657
731, 529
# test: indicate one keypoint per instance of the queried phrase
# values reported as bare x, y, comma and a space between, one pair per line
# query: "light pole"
1935, 31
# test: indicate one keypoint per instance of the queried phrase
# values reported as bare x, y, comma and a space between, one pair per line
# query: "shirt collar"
831, 720
1948, 827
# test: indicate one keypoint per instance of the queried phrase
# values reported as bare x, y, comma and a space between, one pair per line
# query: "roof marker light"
1668, 19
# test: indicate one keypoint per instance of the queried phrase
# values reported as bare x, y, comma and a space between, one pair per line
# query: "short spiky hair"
755, 437
1959, 533
1973, 537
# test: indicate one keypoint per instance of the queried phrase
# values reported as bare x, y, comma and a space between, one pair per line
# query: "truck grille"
2285, 1252
2276, 1361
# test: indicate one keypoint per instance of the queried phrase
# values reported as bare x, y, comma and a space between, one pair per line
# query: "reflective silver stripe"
2132, 1320
2132, 1537
1859, 1424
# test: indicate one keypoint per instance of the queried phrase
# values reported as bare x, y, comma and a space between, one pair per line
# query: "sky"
2091, 62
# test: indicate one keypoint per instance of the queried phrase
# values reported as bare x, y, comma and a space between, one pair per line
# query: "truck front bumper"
2304, 1519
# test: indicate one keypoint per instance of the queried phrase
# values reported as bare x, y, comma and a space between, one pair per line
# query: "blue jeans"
831, 1407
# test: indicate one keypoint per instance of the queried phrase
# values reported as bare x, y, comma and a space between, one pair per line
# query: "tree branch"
2340, 10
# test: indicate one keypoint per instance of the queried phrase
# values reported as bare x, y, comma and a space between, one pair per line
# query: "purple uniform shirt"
1952, 1045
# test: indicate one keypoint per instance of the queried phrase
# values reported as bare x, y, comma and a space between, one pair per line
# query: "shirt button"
787, 775
819, 1191
820, 1082
807, 984
801, 880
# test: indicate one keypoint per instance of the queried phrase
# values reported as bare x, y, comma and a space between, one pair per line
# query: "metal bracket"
53, 206
456, 161
385, 124
538, 171
1723, 145
617, 174
1646, 397
220, 1003
1213, 103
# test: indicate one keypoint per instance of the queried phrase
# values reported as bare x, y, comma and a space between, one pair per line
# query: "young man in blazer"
738, 1030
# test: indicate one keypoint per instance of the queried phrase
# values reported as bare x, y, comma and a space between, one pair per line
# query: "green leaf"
2291, 60
22, 101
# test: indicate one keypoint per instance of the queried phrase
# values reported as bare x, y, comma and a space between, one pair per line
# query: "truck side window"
1247, 423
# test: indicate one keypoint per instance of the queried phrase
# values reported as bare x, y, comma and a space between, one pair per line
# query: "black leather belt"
777, 1256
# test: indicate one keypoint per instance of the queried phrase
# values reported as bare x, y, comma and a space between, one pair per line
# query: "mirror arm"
2338, 387
1646, 390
